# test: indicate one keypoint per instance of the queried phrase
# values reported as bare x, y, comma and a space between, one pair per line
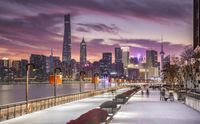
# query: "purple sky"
35, 26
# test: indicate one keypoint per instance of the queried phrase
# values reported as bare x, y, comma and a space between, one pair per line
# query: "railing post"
0, 115
7, 113
14, 111
20, 109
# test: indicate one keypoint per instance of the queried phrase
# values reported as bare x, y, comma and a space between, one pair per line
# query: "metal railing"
194, 95
21, 108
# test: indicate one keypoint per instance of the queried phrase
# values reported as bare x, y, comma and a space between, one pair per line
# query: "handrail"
13, 110
194, 95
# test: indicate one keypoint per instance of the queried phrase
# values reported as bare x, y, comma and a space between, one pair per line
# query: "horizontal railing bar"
21, 108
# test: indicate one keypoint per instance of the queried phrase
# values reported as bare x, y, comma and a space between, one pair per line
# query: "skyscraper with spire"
83, 52
161, 54
66, 54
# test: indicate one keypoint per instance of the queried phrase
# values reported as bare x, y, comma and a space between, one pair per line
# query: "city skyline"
140, 27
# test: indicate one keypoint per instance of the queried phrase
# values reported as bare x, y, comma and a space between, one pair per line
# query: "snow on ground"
63, 113
150, 110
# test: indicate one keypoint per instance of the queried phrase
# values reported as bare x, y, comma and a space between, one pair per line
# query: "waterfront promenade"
141, 109
63, 113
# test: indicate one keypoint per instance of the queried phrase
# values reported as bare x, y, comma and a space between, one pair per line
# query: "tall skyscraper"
125, 59
118, 55
151, 58
125, 56
66, 54
83, 52
118, 61
196, 25
161, 55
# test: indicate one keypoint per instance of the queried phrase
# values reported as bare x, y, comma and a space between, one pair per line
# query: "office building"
125, 59
118, 55
107, 61
125, 56
16, 68
152, 58
40, 65
22, 67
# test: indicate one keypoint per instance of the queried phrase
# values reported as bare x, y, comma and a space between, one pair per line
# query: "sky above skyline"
36, 26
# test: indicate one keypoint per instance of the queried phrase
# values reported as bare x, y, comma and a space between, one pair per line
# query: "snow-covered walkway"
150, 110
63, 113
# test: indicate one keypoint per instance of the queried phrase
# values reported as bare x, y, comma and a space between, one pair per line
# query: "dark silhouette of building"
40, 65
196, 25
83, 53
118, 55
133, 73
96, 68
5, 69
16, 68
152, 58
66, 54
134, 60
22, 67
118, 66
107, 58
105, 64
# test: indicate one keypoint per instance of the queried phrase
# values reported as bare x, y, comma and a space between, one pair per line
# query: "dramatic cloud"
144, 9
35, 26
99, 28
81, 29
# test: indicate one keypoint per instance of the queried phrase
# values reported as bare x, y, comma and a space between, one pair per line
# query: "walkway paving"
63, 113
150, 110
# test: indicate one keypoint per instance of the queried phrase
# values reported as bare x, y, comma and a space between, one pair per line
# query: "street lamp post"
55, 70
27, 81
82, 73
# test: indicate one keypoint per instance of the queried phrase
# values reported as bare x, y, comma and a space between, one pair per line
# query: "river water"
16, 93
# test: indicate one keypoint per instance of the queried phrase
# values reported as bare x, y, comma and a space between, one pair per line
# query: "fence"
22, 108
193, 100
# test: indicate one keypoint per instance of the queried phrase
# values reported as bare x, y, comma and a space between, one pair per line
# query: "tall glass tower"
66, 54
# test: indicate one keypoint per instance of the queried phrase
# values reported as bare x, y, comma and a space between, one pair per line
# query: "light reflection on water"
16, 93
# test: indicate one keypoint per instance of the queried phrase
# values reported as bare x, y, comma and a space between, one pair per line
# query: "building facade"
152, 58
107, 61
23, 64
83, 53
40, 65
66, 54
125, 56
118, 55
